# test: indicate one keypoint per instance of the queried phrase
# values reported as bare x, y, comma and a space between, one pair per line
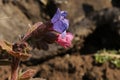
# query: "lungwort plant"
38, 36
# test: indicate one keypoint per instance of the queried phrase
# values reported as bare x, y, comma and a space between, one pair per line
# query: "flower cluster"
61, 24
42, 34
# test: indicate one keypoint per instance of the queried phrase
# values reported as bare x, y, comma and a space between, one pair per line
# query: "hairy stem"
14, 68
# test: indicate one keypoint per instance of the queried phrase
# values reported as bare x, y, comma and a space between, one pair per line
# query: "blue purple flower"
60, 23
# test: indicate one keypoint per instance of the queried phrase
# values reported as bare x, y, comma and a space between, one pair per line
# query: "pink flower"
65, 41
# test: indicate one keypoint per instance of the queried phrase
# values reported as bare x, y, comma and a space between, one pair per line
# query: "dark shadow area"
87, 76
48, 9
5, 1
116, 3
106, 34
87, 9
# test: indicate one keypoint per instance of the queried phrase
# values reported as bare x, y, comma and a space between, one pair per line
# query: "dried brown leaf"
27, 74
4, 45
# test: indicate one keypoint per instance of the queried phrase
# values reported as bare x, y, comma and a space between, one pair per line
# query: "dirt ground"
90, 22
69, 67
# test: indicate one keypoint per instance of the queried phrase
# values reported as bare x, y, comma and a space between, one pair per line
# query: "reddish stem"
14, 68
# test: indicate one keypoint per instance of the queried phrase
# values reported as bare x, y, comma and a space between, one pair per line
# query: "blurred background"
94, 23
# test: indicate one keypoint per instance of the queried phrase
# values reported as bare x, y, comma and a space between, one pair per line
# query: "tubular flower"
65, 41
41, 34
60, 23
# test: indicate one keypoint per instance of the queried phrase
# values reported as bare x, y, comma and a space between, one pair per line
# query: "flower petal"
60, 27
66, 41
63, 13
66, 23
60, 23
56, 17
63, 34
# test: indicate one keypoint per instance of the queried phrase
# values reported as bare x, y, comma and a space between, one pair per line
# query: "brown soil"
76, 67
70, 67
